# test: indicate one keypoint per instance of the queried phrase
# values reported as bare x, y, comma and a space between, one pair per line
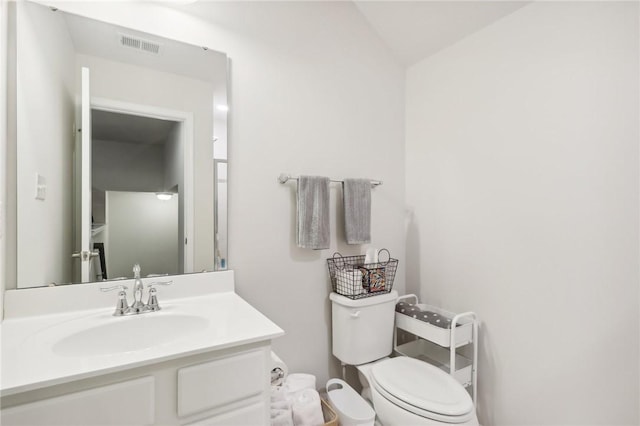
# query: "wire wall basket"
355, 279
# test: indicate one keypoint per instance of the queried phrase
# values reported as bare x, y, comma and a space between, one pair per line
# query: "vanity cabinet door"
247, 416
126, 403
221, 381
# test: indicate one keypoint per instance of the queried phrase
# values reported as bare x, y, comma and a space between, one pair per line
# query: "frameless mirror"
120, 151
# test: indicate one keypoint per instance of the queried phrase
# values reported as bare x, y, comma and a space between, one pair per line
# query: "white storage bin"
442, 336
351, 408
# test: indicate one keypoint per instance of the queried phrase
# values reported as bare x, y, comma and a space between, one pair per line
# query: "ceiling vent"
138, 43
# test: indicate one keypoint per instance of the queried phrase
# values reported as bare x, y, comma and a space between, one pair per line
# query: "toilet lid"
422, 389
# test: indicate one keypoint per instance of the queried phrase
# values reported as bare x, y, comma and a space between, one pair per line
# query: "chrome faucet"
138, 307
138, 288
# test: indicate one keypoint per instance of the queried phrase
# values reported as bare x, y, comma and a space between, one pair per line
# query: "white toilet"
403, 391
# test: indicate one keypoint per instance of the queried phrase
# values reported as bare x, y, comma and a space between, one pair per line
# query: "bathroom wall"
126, 166
5, 132
313, 92
222, 237
173, 159
522, 182
45, 111
174, 178
327, 101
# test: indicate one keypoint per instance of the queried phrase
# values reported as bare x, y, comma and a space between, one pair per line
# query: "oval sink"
129, 334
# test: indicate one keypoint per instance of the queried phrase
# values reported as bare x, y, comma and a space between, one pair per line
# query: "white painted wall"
313, 92
174, 177
522, 178
132, 233
173, 152
5, 133
222, 197
45, 112
123, 166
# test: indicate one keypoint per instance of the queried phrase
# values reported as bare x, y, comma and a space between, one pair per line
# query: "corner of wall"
4, 54
8, 148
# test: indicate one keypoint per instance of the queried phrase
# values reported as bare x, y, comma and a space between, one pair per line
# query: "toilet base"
389, 414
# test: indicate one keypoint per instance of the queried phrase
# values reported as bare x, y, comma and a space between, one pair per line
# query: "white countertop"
29, 361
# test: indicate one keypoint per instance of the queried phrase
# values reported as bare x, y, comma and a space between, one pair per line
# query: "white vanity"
202, 359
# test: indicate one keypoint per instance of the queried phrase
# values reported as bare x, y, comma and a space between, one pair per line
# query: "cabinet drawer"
222, 381
99, 406
252, 415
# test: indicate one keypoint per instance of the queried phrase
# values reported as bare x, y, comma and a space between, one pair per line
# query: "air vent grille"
149, 46
137, 43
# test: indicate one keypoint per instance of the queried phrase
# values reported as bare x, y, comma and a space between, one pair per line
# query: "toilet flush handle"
355, 314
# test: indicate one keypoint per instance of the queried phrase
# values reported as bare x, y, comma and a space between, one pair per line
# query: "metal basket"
353, 278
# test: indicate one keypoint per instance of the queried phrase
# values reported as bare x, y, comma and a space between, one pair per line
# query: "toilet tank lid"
365, 301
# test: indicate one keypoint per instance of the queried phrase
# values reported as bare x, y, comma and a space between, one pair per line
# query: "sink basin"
129, 334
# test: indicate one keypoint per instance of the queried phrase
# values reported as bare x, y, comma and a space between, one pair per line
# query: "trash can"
352, 409
330, 416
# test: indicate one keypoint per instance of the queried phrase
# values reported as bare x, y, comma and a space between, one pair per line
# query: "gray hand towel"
313, 212
357, 210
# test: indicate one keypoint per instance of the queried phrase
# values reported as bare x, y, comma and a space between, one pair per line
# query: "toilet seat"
422, 389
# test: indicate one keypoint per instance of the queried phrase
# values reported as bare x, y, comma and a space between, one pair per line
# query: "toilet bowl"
403, 391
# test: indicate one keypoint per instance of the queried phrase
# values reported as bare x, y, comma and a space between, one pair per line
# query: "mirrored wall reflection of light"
164, 196
223, 107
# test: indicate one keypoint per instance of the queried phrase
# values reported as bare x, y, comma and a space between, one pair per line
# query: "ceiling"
126, 128
96, 38
414, 30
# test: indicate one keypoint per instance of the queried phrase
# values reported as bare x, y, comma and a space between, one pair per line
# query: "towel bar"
283, 178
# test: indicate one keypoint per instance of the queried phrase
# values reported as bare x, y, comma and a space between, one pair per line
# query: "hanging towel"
313, 212
357, 210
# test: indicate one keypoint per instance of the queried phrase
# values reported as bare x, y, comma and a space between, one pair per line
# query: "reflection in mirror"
220, 182
121, 151
135, 191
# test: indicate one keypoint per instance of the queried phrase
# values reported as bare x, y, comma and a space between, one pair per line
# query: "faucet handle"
152, 303
122, 305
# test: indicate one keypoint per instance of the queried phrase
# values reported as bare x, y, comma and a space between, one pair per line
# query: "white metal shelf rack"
439, 346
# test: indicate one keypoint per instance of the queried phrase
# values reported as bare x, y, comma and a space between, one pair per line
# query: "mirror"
120, 151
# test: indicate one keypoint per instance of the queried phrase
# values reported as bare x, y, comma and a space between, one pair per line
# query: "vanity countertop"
31, 360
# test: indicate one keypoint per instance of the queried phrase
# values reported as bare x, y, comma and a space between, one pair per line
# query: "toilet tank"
362, 328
